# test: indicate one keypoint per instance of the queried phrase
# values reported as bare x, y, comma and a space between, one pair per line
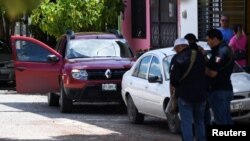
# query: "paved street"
28, 117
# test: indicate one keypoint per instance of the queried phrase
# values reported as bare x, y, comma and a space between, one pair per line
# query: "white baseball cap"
180, 41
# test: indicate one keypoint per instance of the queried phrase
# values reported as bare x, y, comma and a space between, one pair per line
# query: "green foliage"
14, 8
110, 13
78, 15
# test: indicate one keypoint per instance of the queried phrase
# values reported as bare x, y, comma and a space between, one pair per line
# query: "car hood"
99, 63
240, 82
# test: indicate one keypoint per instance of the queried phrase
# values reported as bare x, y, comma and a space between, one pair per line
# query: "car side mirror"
53, 58
155, 79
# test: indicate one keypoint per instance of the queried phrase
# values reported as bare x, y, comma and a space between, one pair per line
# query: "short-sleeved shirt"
227, 34
222, 62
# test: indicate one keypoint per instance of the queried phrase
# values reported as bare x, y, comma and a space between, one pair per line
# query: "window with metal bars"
163, 22
210, 11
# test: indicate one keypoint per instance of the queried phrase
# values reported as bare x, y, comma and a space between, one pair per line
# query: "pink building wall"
136, 44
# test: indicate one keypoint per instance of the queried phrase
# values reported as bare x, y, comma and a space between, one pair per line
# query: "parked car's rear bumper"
240, 108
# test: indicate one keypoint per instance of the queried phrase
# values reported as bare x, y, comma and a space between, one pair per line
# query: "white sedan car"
145, 88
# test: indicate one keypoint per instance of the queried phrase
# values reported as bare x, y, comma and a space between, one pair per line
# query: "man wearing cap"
190, 89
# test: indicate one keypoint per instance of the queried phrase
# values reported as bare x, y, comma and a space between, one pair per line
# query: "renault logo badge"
108, 73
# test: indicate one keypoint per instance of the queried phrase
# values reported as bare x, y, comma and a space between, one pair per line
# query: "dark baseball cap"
190, 37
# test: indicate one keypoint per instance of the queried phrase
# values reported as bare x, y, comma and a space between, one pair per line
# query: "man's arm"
217, 63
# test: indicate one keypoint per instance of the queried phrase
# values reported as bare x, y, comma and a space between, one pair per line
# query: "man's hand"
172, 89
211, 73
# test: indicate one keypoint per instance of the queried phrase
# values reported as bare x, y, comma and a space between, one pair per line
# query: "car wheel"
53, 99
173, 121
133, 114
66, 104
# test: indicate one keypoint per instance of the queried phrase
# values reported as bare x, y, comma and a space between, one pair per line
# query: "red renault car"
83, 67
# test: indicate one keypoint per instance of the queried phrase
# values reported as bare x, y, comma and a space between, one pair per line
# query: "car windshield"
88, 48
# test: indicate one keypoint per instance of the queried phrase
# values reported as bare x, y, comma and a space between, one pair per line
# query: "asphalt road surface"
28, 118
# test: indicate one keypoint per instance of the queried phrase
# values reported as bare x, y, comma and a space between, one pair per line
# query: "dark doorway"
163, 23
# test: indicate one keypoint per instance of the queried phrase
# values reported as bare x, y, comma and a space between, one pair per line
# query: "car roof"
167, 51
95, 35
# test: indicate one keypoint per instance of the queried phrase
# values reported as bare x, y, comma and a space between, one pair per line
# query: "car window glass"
166, 66
237, 68
136, 70
154, 69
143, 67
97, 48
28, 51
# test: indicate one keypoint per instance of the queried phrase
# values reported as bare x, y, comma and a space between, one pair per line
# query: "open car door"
37, 66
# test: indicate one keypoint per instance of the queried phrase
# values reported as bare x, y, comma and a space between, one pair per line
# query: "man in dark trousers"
219, 70
190, 88
192, 40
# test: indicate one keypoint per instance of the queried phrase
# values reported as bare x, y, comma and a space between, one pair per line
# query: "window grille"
209, 12
163, 23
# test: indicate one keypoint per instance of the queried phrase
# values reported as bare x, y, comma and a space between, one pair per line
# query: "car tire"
53, 99
66, 104
133, 114
173, 121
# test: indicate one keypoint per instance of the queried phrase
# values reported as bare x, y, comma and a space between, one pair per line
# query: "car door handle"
146, 87
21, 68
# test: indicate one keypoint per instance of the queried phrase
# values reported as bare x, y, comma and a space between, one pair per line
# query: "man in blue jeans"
219, 70
189, 82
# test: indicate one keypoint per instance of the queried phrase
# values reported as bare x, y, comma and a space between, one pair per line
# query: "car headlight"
79, 74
